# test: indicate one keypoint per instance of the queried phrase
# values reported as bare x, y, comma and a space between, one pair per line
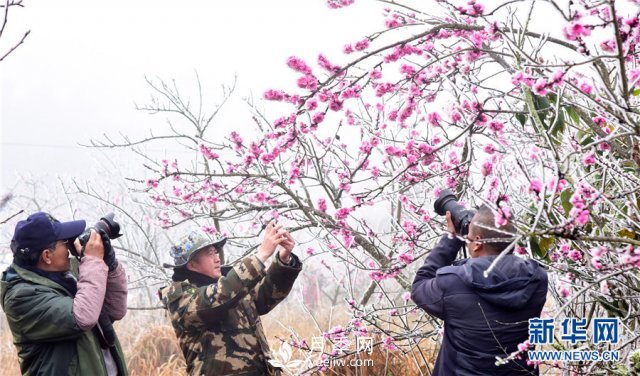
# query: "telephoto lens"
461, 216
107, 225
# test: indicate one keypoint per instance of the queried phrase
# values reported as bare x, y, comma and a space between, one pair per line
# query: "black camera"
461, 216
106, 226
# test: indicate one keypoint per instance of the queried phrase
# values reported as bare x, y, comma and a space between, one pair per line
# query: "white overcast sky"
82, 67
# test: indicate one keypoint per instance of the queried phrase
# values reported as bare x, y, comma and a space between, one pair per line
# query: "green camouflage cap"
186, 248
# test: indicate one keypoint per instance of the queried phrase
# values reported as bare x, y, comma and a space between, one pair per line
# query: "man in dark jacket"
61, 313
216, 311
484, 317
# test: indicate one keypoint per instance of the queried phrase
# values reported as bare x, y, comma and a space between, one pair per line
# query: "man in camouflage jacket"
216, 311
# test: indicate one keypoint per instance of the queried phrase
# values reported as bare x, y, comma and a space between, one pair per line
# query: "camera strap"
104, 330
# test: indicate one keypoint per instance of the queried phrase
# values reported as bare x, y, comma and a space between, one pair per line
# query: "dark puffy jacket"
483, 317
45, 332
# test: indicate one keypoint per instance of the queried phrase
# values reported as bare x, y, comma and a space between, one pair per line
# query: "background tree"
528, 107
5, 8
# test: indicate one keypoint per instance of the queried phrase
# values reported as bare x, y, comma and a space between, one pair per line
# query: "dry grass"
156, 352
8, 354
151, 348
383, 362
289, 318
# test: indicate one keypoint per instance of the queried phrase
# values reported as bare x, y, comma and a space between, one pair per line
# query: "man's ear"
478, 243
45, 256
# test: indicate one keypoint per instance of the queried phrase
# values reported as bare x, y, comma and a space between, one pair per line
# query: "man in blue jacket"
483, 317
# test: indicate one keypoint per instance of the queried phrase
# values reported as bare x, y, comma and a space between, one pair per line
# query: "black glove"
109, 253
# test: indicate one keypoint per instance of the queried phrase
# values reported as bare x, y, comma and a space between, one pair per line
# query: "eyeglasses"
65, 243
467, 240
53, 247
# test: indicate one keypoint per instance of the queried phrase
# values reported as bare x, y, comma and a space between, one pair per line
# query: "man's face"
473, 245
207, 262
56, 259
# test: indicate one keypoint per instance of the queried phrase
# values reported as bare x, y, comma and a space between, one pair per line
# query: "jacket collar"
198, 279
29, 276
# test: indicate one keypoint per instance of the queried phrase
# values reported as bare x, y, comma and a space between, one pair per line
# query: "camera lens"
444, 202
461, 217
106, 225
109, 226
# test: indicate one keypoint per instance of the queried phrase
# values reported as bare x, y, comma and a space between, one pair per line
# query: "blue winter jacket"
483, 317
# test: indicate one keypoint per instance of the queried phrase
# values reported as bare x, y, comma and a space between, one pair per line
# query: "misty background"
81, 71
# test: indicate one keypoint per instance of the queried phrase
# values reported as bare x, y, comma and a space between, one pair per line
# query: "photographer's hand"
287, 248
109, 253
450, 227
272, 238
94, 246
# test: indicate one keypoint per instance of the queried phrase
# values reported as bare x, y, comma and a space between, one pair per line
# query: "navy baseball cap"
40, 229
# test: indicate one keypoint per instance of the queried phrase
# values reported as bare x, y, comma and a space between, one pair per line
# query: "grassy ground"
151, 347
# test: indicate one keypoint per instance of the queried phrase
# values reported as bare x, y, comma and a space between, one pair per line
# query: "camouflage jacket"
218, 324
